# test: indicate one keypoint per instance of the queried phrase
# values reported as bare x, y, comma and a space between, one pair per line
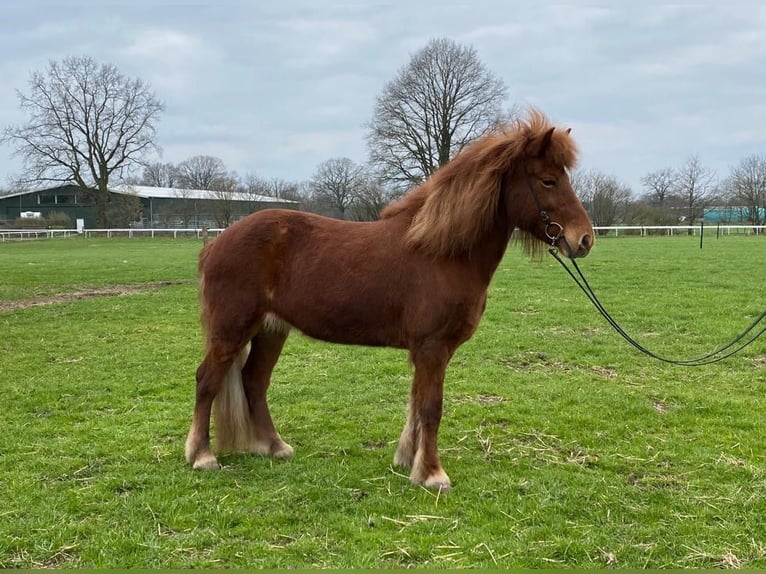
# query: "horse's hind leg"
210, 376
266, 347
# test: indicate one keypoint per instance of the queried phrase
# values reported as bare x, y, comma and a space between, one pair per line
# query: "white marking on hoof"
206, 462
438, 481
277, 448
282, 450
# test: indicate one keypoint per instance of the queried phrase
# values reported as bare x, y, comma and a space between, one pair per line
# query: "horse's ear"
545, 142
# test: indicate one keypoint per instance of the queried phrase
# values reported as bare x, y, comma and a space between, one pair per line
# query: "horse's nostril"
585, 242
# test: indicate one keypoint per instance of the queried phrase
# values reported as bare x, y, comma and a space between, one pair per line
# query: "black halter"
553, 231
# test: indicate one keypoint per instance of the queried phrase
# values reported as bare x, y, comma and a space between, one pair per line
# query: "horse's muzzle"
577, 248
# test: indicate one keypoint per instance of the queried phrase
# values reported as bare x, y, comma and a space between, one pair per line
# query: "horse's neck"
487, 253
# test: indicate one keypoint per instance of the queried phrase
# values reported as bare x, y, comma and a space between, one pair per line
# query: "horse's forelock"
561, 149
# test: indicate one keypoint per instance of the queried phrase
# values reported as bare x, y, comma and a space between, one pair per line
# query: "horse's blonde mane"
458, 203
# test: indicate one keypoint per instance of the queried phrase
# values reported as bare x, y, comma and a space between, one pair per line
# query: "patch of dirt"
660, 406
79, 294
605, 372
532, 360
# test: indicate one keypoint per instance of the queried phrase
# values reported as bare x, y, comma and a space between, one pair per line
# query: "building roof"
177, 193
169, 193
31, 191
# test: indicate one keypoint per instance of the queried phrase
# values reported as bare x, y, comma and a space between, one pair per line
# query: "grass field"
565, 446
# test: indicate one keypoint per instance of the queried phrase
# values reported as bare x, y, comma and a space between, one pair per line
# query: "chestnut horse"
415, 279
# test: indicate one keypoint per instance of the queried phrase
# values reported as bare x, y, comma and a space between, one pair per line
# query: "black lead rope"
555, 233
732, 347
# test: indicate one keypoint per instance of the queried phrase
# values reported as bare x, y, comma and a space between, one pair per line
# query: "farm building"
135, 206
734, 214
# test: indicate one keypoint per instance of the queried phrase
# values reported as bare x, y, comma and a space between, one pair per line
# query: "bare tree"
605, 198
204, 172
186, 206
254, 184
336, 183
158, 174
746, 187
201, 172
254, 187
371, 197
123, 210
15, 185
86, 122
693, 186
222, 191
645, 212
435, 106
275, 187
282, 189
659, 186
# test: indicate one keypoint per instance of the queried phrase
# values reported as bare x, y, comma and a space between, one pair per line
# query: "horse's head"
539, 197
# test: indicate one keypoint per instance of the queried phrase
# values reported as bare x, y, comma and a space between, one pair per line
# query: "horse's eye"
548, 182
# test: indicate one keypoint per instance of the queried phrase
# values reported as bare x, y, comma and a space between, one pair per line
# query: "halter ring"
554, 237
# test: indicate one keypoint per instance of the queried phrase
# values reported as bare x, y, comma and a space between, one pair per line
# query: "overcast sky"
276, 87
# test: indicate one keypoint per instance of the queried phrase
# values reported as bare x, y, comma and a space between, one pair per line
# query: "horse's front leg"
417, 447
408, 441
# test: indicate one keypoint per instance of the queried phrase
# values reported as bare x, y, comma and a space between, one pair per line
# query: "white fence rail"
19, 234
644, 230
614, 231
139, 232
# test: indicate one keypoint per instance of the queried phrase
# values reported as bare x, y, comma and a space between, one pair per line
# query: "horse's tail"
233, 432
204, 310
230, 409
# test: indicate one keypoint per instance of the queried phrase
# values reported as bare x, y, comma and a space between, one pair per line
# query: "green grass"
565, 446
34, 268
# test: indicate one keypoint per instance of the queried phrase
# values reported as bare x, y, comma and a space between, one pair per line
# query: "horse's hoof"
276, 449
206, 463
282, 450
438, 481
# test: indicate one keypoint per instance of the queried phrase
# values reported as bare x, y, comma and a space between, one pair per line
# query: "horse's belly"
348, 328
